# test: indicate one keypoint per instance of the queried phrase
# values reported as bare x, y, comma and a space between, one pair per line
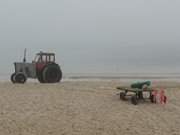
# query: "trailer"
136, 94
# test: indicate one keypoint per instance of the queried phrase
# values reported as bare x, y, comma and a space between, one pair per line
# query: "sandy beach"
85, 108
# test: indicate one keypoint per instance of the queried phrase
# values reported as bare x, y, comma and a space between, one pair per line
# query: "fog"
93, 36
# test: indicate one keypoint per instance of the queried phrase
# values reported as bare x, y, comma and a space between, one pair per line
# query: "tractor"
43, 67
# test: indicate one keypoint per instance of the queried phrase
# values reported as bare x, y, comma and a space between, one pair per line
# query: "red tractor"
44, 68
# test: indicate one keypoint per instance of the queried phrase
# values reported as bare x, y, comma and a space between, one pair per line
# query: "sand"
84, 108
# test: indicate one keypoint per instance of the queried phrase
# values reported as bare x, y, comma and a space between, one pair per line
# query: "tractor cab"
44, 58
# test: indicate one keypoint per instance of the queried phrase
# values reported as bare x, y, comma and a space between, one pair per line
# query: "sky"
93, 36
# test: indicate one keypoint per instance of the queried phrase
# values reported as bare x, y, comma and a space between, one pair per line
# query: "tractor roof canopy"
45, 53
44, 57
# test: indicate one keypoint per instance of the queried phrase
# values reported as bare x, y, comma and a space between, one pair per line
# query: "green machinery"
135, 92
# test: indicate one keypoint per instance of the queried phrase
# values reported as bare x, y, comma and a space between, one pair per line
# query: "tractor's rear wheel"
20, 78
40, 77
52, 74
13, 78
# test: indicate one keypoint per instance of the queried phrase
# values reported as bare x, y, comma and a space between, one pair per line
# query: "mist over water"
97, 36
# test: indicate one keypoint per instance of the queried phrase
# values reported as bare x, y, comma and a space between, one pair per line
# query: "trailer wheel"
152, 99
20, 78
134, 100
52, 74
13, 78
122, 96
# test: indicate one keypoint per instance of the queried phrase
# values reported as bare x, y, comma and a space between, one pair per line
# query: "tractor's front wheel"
13, 78
52, 74
20, 78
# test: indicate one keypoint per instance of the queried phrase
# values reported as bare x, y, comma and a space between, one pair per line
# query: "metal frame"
135, 96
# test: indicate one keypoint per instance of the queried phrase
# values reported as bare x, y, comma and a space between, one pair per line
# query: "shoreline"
120, 77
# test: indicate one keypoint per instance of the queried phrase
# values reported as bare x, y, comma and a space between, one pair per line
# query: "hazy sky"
93, 35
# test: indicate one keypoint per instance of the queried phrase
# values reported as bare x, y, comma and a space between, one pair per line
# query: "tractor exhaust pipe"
24, 59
